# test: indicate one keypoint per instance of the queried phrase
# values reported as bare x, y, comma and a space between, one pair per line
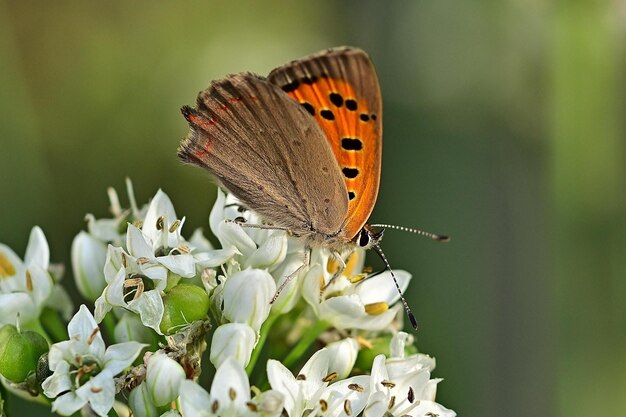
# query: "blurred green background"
504, 127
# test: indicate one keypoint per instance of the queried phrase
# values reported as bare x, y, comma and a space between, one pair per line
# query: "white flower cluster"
174, 299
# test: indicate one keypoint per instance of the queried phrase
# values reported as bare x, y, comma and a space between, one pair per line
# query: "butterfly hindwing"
265, 149
340, 89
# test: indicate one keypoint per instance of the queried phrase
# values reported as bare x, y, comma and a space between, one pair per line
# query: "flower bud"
270, 403
247, 296
88, 258
183, 304
163, 378
232, 340
343, 356
140, 402
19, 352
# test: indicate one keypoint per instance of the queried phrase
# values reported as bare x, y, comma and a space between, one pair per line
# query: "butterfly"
302, 147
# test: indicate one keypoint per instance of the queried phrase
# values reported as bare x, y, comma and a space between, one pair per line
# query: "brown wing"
266, 150
340, 89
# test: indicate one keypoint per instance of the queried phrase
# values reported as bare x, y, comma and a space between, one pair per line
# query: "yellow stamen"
332, 266
351, 264
6, 267
374, 309
356, 278
29, 281
363, 342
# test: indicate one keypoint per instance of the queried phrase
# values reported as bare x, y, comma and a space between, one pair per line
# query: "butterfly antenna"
409, 313
433, 236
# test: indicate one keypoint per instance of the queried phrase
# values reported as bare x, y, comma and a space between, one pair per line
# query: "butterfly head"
368, 237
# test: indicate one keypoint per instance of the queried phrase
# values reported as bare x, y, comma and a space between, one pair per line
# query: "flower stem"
308, 338
53, 325
265, 329
109, 323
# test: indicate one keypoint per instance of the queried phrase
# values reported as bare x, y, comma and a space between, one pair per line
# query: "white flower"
309, 393
157, 253
343, 355
83, 369
134, 286
25, 286
229, 397
247, 296
163, 378
351, 300
88, 258
402, 385
234, 340
256, 248
140, 401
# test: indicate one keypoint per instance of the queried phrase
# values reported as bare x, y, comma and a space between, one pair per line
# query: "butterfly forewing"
340, 89
266, 149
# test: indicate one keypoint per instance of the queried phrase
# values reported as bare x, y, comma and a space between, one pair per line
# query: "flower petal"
88, 259
139, 244
150, 308
194, 400
99, 391
232, 340
231, 387
183, 264
37, 250
83, 328
160, 206
247, 296
60, 381
382, 288
282, 380
120, 356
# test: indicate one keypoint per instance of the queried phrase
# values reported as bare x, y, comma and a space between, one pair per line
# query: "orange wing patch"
352, 132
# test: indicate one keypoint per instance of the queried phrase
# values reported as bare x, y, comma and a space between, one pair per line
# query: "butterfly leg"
340, 268
305, 263
258, 226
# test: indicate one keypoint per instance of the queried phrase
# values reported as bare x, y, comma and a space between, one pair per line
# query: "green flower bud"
19, 352
184, 304
368, 353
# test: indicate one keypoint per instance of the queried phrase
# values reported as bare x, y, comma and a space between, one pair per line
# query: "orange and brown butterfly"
302, 147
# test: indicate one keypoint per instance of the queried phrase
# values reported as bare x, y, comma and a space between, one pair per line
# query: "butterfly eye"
364, 238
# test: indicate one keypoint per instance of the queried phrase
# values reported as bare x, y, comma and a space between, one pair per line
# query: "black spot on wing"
336, 99
308, 107
351, 144
327, 114
350, 172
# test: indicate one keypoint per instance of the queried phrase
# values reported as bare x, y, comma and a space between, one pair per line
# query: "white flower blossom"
247, 296
25, 286
163, 378
229, 397
88, 258
311, 391
234, 340
157, 254
83, 369
352, 300
407, 381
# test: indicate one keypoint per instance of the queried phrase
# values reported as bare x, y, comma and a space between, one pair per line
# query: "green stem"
308, 338
265, 329
54, 326
4, 401
109, 323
